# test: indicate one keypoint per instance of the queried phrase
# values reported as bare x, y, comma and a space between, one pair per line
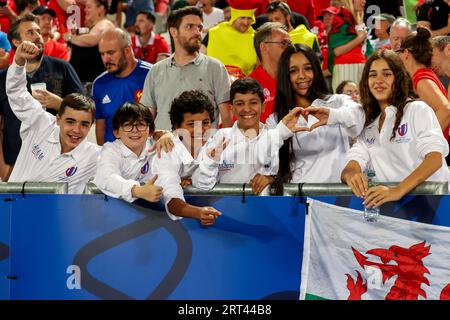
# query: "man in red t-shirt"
52, 48
270, 41
147, 45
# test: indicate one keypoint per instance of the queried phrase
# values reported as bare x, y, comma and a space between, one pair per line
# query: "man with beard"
52, 47
58, 75
148, 45
186, 69
121, 82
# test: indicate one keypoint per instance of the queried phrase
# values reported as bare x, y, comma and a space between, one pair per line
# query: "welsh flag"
346, 257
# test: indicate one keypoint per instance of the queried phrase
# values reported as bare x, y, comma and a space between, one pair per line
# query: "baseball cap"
44, 9
386, 17
332, 10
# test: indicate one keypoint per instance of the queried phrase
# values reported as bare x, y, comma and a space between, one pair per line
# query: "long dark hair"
285, 101
400, 90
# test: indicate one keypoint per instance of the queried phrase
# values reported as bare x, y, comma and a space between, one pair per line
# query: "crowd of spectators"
308, 54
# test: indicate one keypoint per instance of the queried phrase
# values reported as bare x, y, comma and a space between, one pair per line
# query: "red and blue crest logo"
403, 129
137, 95
71, 171
144, 169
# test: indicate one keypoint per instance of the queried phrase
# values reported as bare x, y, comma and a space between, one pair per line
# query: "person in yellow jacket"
231, 42
280, 12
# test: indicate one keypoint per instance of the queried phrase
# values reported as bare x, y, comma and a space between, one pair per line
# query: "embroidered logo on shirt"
137, 95
267, 96
106, 99
71, 171
370, 141
403, 129
144, 169
37, 152
225, 166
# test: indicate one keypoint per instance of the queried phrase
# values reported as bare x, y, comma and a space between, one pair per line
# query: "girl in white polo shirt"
317, 156
402, 140
123, 169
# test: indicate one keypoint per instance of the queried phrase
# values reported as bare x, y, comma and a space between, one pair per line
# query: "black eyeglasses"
284, 43
399, 50
140, 126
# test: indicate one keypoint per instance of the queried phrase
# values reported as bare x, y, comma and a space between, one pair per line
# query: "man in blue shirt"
122, 81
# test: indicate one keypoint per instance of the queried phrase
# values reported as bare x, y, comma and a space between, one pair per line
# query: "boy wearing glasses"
124, 165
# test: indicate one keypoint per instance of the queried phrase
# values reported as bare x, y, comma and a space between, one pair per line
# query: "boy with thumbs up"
123, 169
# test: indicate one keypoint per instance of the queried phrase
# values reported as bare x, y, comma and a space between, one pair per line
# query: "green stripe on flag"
309, 296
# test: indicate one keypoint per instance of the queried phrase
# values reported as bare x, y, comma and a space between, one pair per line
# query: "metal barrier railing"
33, 187
340, 189
220, 189
291, 189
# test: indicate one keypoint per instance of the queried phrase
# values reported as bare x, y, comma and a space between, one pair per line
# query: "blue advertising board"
97, 247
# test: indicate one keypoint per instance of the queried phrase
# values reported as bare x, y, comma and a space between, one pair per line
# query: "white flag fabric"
345, 257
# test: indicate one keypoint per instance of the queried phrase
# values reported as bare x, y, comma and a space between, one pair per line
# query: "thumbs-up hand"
149, 191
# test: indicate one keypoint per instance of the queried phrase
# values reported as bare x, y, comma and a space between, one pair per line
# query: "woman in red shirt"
416, 52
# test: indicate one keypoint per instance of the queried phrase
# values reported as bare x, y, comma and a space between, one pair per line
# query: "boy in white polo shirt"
124, 165
54, 149
191, 115
248, 151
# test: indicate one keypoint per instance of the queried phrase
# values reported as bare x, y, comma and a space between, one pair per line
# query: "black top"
391, 7
61, 80
87, 62
434, 11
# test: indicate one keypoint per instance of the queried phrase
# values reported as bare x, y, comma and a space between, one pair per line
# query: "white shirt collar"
126, 152
150, 42
77, 153
238, 133
183, 153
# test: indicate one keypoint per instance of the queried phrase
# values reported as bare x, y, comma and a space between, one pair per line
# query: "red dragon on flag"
405, 263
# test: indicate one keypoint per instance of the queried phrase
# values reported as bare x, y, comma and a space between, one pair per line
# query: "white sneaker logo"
106, 100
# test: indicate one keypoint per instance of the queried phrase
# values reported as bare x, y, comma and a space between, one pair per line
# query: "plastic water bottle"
371, 214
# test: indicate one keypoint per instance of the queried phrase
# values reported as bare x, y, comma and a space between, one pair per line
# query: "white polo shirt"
171, 168
119, 169
40, 158
242, 158
320, 154
418, 134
